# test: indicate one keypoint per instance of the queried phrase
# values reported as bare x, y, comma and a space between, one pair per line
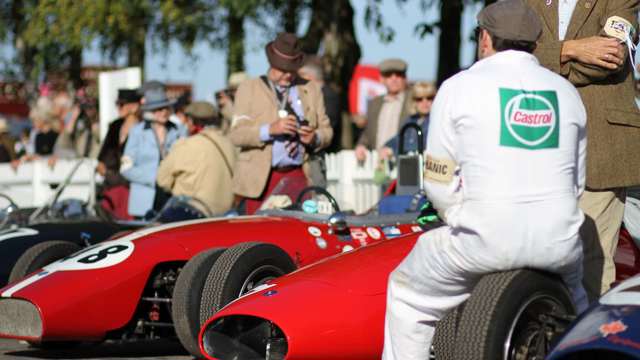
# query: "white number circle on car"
98, 256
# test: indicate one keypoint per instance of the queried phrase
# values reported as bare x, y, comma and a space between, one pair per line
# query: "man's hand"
284, 126
307, 134
14, 164
600, 51
52, 161
361, 153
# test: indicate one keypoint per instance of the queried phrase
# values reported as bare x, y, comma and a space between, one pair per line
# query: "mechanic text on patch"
439, 170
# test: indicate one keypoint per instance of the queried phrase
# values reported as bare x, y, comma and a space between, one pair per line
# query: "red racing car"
149, 283
335, 309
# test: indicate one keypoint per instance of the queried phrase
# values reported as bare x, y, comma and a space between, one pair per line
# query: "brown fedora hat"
284, 53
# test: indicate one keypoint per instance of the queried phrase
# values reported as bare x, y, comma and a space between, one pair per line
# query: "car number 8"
93, 258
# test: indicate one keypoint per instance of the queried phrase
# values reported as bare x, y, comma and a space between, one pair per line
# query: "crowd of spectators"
259, 131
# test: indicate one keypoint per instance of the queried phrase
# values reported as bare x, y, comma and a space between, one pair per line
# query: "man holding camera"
278, 121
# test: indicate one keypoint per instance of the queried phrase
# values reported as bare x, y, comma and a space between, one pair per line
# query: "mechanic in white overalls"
505, 167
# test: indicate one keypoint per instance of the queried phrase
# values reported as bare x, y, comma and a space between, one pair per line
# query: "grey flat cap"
201, 110
390, 65
511, 20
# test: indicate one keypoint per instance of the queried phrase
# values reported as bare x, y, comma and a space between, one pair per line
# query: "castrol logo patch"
530, 119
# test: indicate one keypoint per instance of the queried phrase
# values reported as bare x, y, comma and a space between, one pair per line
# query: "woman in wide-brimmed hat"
149, 142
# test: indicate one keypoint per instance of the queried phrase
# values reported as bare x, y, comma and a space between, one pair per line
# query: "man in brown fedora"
278, 121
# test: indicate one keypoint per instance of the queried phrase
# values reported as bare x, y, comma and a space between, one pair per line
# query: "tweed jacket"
369, 136
255, 105
613, 119
196, 167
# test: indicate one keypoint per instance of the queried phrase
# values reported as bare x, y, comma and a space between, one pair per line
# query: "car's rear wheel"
186, 298
444, 339
239, 270
513, 315
41, 255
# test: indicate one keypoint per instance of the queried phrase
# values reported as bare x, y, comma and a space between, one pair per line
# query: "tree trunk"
290, 16
332, 27
75, 67
235, 45
136, 49
450, 27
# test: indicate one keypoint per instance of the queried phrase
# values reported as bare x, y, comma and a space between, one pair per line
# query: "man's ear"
486, 44
487, 40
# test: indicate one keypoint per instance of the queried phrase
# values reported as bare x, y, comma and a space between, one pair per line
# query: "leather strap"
224, 157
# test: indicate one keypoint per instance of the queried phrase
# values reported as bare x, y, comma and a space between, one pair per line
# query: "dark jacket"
110, 154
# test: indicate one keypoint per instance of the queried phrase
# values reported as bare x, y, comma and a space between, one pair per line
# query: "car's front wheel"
187, 293
239, 270
41, 255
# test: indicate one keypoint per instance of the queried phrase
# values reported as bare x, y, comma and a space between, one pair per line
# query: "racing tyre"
444, 339
186, 298
41, 255
239, 270
513, 315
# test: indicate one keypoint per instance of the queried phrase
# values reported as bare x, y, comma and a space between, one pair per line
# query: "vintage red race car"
335, 309
149, 283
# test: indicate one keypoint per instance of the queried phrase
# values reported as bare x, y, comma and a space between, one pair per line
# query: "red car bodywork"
87, 304
335, 308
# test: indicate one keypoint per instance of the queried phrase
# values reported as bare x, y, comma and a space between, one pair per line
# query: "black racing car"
34, 237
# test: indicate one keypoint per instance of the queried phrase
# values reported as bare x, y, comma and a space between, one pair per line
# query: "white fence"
31, 184
350, 182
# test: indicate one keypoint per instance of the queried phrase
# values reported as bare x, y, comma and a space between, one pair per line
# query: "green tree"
53, 33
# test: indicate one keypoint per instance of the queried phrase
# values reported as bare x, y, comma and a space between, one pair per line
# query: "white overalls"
505, 167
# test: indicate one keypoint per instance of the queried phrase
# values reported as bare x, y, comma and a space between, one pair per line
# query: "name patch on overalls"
439, 170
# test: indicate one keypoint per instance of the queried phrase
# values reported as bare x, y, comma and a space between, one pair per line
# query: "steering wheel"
320, 190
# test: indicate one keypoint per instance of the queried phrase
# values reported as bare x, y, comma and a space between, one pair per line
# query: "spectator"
116, 187
226, 97
179, 117
148, 143
23, 143
574, 44
7, 145
63, 108
43, 136
422, 94
80, 136
278, 121
201, 166
384, 113
312, 71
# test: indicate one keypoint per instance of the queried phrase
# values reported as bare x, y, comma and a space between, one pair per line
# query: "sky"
207, 72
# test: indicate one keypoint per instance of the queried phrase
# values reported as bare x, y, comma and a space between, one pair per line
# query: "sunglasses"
391, 73
421, 98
